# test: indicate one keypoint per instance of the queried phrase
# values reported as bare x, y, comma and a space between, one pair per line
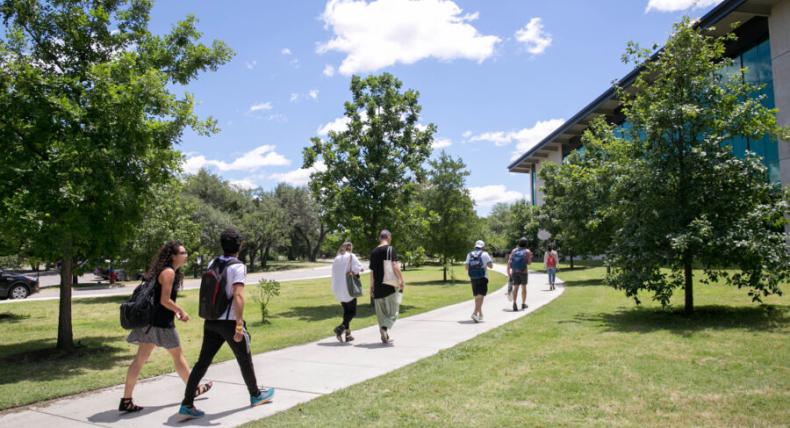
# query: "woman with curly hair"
166, 268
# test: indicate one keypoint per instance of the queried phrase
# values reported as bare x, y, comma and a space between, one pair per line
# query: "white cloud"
467, 134
441, 143
488, 196
312, 94
525, 138
337, 125
277, 117
285, 51
193, 164
299, 177
250, 64
260, 107
243, 184
256, 158
381, 33
329, 70
533, 36
678, 5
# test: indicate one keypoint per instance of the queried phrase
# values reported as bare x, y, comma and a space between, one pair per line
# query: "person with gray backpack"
477, 264
517, 270
222, 306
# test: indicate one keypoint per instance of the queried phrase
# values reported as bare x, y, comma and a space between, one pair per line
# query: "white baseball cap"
480, 244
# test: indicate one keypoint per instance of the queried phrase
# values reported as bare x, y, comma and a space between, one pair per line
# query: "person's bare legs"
523, 294
143, 353
479, 305
180, 361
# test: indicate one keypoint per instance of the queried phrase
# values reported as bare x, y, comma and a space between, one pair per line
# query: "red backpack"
551, 261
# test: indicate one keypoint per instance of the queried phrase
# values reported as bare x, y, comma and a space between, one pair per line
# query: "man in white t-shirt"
229, 328
477, 264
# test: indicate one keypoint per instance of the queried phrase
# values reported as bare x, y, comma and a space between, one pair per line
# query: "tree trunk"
321, 236
444, 268
571, 260
689, 286
253, 252
265, 258
65, 332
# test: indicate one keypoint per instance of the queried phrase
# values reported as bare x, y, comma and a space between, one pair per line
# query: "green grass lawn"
30, 369
589, 358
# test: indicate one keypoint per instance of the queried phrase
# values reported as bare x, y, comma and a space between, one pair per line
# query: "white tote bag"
389, 272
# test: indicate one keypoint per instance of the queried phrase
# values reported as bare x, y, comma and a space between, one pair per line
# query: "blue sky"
494, 76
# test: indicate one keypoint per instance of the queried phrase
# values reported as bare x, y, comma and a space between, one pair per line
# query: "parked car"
16, 285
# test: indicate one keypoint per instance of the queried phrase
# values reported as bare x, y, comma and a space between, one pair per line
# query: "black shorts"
520, 278
479, 286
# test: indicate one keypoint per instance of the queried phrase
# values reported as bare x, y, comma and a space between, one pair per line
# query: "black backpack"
214, 301
139, 309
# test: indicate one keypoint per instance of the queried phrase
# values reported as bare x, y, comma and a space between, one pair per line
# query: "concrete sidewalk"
299, 373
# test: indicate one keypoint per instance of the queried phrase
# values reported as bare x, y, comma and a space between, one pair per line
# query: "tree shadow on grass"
584, 283
323, 312
118, 299
713, 317
39, 360
10, 317
435, 282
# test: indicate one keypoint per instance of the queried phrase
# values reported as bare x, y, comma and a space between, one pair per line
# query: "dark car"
16, 286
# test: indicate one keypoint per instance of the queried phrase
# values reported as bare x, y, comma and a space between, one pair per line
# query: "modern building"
763, 46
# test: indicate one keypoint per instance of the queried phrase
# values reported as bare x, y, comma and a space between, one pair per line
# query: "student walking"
386, 284
345, 265
222, 306
517, 270
165, 269
550, 259
477, 264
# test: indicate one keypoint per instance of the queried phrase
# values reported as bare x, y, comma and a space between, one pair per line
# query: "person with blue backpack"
221, 305
517, 270
477, 264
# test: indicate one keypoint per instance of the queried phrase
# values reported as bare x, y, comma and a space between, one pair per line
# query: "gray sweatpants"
387, 309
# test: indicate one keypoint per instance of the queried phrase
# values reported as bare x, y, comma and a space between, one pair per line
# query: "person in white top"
345, 263
477, 264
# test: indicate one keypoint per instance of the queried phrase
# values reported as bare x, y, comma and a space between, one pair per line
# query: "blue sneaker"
190, 412
265, 396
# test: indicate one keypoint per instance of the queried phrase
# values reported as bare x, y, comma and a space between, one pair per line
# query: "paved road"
299, 373
189, 284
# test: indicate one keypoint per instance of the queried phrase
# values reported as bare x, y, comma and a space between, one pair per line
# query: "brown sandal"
128, 406
202, 389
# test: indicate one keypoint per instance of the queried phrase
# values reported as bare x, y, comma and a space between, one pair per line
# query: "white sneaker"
475, 319
480, 318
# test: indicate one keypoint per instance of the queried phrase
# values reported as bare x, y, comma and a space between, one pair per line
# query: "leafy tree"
410, 232
89, 123
509, 222
306, 217
372, 166
578, 208
684, 198
167, 216
451, 227
264, 227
